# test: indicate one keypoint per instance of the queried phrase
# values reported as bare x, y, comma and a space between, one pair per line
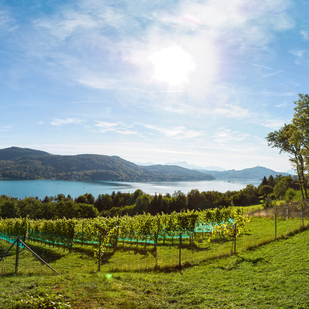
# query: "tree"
265, 190
290, 140
280, 188
142, 203
271, 181
264, 182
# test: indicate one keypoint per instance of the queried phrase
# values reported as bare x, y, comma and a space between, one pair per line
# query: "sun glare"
172, 65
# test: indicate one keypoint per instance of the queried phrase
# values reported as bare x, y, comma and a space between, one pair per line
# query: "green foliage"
289, 195
266, 189
281, 187
271, 181
268, 203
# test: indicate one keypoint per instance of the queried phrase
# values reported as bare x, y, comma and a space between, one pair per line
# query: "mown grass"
275, 275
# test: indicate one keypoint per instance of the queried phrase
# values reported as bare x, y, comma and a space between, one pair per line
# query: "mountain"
16, 152
177, 171
257, 172
23, 163
195, 167
291, 172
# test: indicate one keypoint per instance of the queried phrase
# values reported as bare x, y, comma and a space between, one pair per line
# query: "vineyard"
141, 229
141, 255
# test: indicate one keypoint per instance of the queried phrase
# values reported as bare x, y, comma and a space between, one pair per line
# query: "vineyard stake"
17, 254
302, 215
38, 257
180, 241
99, 262
8, 250
235, 239
275, 225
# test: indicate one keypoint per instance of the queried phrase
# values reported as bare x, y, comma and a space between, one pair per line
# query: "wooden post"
17, 255
99, 261
275, 225
25, 245
302, 215
235, 238
82, 233
180, 241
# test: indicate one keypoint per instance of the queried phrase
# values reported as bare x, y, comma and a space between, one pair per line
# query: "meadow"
265, 273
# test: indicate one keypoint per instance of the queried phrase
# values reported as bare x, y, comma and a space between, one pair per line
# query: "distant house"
75, 177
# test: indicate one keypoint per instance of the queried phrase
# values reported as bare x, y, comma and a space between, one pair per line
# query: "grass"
266, 273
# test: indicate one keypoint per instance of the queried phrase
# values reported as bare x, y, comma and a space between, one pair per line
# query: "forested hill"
257, 172
22, 163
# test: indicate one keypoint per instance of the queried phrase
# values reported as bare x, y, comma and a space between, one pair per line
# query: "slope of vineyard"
273, 275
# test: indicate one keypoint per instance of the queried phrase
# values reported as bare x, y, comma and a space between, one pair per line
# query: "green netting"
208, 228
51, 238
9, 238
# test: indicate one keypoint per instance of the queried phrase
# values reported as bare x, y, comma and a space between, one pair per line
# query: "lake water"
41, 188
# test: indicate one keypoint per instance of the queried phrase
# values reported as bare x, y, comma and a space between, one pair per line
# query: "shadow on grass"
47, 254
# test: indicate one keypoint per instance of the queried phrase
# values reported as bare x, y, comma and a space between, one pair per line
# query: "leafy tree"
265, 190
290, 140
280, 188
142, 203
289, 195
9, 209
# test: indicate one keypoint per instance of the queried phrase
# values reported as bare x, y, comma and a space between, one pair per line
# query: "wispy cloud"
6, 128
179, 132
227, 135
274, 124
67, 121
231, 111
261, 66
117, 127
281, 105
304, 34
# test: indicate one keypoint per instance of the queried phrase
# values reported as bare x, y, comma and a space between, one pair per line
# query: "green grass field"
272, 274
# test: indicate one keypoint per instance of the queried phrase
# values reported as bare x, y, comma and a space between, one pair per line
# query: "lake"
41, 188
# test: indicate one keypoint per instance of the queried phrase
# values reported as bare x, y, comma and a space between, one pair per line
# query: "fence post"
302, 215
83, 233
180, 241
275, 225
99, 261
235, 238
17, 255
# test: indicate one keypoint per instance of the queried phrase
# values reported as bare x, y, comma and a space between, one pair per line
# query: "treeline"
118, 204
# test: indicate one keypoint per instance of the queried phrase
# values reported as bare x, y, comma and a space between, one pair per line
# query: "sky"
153, 81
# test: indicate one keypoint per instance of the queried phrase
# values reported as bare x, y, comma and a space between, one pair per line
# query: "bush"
268, 203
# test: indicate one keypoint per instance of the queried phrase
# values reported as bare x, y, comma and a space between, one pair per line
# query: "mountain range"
24, 163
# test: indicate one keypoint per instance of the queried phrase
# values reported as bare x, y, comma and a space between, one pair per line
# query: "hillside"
257, 172
21, 163
164, 170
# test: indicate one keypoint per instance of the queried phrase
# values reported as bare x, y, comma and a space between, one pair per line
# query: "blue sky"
153, 81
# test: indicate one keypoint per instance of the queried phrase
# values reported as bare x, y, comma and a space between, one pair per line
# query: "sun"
172, 65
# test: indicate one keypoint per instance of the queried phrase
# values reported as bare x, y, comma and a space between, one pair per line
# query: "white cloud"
231, 111
274, 124
227, 135
305, 34
62, 122
117, 127
180, 132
